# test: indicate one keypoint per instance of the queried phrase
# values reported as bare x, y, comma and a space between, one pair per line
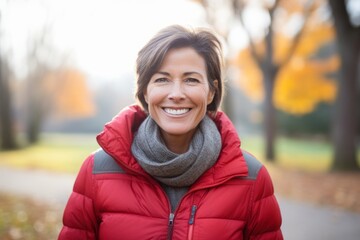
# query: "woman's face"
178, 93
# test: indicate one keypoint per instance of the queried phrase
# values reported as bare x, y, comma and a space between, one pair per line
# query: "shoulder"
263, 185
265, 220
104, 163
253, 164
258, 173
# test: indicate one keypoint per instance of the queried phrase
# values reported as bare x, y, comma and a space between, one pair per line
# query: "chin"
177, 131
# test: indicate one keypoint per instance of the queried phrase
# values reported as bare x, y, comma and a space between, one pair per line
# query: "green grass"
65, 153
57, 152
304, 154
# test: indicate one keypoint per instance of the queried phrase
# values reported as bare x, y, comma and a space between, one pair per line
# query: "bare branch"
269, 37
273, 8
297, 37
238, 7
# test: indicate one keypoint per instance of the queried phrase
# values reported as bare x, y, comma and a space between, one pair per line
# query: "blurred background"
292, 90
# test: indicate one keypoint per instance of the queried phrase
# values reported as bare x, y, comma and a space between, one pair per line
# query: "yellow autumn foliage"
299, 90
300, 84
70, 93
250, 77
310, 42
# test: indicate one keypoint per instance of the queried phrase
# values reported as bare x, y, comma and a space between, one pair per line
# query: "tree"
306, 81
37, 103
344, 133
7, 132
267, 63
48, 76
277, 13
70, 95
40, 92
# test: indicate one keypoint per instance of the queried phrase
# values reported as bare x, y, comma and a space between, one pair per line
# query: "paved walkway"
300, 220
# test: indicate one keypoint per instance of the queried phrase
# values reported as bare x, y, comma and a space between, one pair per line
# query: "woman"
173, 168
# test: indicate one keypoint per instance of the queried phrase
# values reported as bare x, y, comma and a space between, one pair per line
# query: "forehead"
182, 61
183, 57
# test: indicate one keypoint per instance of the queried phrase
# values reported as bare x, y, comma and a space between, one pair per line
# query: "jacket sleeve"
79, 219
265, 217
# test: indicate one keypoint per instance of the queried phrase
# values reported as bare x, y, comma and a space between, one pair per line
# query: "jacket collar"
231, 162
117, 136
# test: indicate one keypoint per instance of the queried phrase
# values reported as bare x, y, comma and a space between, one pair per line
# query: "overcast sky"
103, 36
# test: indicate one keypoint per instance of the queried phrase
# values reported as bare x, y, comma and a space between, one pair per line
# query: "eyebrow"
185, 74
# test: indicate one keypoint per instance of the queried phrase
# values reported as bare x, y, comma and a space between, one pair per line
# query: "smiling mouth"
179, 111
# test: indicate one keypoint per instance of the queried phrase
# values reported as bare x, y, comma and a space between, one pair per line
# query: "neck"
178, 143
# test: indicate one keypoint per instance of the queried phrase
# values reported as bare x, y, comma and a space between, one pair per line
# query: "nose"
176, 92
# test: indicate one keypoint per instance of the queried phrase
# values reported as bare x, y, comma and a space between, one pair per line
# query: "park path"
300, 220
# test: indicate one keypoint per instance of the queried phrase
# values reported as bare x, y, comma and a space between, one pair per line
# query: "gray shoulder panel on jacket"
104, 163
253, 164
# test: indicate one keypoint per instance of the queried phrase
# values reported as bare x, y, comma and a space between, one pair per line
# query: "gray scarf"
171, 169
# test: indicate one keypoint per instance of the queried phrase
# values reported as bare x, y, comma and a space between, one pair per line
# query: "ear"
145, 97
212, 92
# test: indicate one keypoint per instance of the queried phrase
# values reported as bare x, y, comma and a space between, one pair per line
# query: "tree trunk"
34, 112
7, 138
33, 128
345, 117
269, 74
345, 112
227, 104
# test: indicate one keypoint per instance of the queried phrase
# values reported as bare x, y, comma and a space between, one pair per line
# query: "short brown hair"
203, 41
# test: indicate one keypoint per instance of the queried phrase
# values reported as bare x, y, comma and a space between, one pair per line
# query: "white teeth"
176, 111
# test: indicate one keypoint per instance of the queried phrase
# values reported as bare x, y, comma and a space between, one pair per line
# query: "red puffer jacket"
114, 198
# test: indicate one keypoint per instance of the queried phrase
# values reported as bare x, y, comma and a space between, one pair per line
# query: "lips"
178, 111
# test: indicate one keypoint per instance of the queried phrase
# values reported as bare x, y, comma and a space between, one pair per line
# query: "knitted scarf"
171, 169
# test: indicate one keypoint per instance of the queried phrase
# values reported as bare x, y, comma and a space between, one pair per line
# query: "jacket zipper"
192, 222
170, 226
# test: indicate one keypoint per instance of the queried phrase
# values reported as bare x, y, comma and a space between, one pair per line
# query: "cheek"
153, 96
201, 97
